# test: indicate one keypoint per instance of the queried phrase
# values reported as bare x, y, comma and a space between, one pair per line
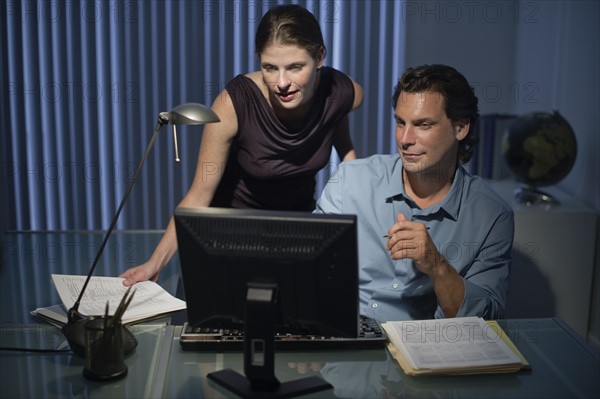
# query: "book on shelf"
149, 301
463, 345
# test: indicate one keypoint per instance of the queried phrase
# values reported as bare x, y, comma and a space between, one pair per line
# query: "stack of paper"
464, 345
150, 299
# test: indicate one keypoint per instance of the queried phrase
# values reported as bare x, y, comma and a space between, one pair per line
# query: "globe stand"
534, 197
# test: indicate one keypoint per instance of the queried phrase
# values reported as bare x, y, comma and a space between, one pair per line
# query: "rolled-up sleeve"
487, 278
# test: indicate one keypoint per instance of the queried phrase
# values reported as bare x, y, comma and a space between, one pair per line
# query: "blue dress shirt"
472, 227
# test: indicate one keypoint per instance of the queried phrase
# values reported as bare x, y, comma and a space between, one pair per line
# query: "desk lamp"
184, 114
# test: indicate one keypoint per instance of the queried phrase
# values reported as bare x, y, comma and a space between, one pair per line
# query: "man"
434, 241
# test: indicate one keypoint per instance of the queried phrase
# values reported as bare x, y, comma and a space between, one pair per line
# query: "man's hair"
290, 24
460, 102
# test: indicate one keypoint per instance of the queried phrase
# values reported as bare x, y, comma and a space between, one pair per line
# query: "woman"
277, 128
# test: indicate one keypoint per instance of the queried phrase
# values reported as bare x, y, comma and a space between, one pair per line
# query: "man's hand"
411, 240
304, 367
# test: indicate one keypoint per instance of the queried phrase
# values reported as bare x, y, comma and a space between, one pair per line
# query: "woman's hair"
460, 102
290, 24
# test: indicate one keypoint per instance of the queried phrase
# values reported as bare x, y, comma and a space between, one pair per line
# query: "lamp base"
90, 375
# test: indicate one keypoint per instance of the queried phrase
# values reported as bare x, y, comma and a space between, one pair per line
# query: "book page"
54, 314
450, 343
150, 299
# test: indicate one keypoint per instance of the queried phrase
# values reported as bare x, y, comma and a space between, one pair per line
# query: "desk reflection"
385, 379
60, 374
354, 374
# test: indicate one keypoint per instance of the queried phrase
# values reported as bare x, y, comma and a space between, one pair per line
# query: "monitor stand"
259, 353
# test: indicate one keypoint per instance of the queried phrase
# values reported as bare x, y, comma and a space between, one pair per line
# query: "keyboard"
371, 336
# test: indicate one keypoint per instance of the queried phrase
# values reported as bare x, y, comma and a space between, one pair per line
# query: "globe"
540, 149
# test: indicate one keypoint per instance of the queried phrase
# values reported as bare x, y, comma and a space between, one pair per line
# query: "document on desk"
150, 299
464, 345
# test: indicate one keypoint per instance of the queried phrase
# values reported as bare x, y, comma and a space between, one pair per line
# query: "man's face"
427, 140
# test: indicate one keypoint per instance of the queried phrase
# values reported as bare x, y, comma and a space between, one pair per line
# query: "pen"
106, 316
125, 301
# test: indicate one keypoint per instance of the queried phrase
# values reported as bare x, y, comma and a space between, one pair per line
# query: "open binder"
464, 345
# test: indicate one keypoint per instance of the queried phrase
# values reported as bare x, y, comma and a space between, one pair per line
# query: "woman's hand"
143, 272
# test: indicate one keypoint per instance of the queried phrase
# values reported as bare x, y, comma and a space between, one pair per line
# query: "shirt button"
395, 285
374, 305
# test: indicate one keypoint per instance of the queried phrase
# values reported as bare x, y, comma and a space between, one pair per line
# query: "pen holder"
104, 350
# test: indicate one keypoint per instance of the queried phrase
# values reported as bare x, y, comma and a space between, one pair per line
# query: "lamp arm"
73, 313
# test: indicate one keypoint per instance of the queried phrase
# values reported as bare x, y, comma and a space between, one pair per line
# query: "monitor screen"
311, 258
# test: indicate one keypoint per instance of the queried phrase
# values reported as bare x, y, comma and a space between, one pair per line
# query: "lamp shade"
190, 114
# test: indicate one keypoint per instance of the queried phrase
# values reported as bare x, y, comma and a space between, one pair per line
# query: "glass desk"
60, 375
563, 364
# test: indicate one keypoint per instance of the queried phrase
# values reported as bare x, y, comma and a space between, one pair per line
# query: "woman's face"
290, 74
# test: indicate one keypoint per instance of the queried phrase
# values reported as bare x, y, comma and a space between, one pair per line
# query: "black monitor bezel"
341, 306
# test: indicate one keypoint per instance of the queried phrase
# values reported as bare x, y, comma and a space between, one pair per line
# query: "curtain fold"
83, 83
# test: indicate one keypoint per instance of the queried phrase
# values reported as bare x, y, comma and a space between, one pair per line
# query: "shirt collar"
396, 186
450, 204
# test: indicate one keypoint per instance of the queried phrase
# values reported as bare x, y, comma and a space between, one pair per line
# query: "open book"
150, 299
464, 345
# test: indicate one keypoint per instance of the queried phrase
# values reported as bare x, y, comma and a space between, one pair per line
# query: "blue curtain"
83, 83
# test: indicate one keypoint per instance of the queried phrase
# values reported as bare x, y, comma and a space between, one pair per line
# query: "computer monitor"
260, 270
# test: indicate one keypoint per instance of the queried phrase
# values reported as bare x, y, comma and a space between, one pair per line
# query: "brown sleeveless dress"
271, 167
